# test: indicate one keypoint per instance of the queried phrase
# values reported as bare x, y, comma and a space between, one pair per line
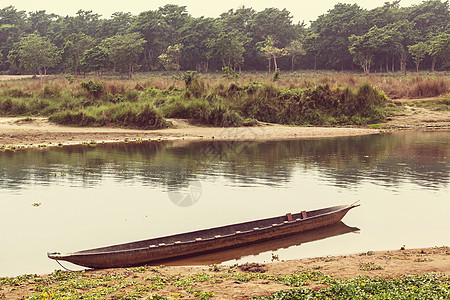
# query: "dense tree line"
347, 37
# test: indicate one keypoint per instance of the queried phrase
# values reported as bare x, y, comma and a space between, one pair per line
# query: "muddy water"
74, 198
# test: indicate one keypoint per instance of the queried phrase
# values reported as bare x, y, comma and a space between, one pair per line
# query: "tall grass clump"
195, 87
26, 106
202, 111
429, 88
319, 105
16, 92
50, 92
142, 116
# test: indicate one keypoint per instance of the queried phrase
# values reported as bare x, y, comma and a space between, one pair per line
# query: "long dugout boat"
194, 243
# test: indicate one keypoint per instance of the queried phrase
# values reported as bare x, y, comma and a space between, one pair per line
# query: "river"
79, 197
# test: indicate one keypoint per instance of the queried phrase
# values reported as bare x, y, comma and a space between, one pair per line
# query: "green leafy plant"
96, 89
276, 75
230, 73
189, 77
370, 266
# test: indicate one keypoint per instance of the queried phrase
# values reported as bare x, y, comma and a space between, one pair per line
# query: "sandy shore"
31, 132
225, 282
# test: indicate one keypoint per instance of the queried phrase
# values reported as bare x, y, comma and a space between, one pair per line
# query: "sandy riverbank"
39, 131
238, 282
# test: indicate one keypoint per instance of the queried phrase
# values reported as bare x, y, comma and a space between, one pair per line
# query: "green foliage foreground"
427, 286
231, 105
150, 283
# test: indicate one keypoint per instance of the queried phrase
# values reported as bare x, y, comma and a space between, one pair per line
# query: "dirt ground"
223, 283
418, 118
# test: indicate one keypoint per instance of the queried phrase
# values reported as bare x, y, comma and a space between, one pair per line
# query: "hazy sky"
300, 10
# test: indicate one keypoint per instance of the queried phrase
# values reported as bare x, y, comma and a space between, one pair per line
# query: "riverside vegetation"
150, 283
147, 101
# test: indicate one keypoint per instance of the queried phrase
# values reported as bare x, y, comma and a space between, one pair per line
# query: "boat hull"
203, 241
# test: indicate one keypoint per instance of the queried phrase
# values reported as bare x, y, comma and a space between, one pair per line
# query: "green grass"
150, 283
442, 104
121, 114
370, 266
427, 286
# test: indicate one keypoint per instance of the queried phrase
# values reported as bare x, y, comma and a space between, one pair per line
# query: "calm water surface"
74, 198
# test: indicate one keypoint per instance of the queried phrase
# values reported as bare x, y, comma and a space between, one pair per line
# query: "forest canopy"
347, 37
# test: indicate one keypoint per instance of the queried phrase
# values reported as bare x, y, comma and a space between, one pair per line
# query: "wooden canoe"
204, 241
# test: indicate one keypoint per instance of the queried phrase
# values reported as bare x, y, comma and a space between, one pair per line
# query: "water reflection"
267, 246
386, 160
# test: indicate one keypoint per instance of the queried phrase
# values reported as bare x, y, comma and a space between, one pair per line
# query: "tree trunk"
292, 63
275, 66
433, 63
393, 63
365, 65
149, 60
403, 58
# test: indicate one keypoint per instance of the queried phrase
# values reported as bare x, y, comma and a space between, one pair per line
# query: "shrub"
95, 89
152, 91
191, 109
221, 116
13, 107
142, 116
229, 73
276, 75
188, 77
132, 95
6, 106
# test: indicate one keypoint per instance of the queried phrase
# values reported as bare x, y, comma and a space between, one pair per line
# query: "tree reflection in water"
422, 158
